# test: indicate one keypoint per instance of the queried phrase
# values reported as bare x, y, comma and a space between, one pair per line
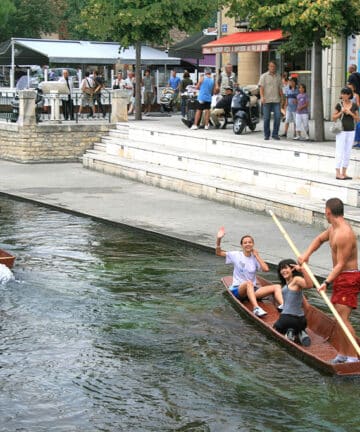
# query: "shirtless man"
246, 263
344, 277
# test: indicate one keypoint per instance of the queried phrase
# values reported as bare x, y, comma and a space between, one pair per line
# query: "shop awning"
254, 41
191, 47
45, 51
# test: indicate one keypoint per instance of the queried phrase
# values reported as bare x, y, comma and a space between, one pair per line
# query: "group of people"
207, 87
344, 279
274, 93
91, 87
128, 84
278, 93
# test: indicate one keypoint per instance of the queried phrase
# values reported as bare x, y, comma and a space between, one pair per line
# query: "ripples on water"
110, 330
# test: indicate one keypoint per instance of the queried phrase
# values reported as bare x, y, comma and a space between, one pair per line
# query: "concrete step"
262, 174
289, 153
251, 197
100, 146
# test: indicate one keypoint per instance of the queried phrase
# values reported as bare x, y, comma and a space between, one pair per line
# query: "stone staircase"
293, 178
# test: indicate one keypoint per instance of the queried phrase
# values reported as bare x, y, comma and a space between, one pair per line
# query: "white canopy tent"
23, 51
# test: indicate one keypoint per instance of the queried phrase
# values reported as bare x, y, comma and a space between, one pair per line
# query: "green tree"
28, 18
6, 8
133, 22
309, 24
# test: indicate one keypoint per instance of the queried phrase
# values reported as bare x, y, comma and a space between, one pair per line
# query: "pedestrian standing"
183, 84
344, 276
348, 112
302, 113
149, 91
119, 82
174, 83
67, 102
354, 77
87, 90
355, 99
271, 95
130, 86
290, 94
226, 79
206, 89
99, 84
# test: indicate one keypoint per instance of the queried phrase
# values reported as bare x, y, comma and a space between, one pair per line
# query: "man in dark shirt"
222, 108
99, 85
354, 78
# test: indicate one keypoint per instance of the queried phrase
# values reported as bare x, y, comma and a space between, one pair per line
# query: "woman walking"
348, 112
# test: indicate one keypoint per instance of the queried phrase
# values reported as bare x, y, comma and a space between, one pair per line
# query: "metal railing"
5, 105
44, 109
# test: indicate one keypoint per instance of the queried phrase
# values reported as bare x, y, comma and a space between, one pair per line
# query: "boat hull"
6, 258
323, 330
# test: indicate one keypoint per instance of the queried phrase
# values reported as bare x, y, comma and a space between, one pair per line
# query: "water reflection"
110, 330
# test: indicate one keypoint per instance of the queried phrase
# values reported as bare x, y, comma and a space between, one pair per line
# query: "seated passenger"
292, 321
222, 108
246, 263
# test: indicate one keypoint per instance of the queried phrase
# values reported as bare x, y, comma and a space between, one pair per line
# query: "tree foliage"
27, 18
130, 21
6, 8
308, 23
133, 22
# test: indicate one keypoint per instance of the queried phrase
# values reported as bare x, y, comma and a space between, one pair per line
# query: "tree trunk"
138, 82
318, 92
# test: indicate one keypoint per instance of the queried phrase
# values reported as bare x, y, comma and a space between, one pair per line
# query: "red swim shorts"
346, 288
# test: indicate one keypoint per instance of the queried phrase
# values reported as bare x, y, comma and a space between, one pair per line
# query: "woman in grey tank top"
292, 321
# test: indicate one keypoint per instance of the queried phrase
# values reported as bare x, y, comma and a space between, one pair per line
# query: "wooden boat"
6, 258
323, 330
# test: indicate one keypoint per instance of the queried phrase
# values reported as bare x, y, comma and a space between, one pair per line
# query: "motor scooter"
245, 109
191, 105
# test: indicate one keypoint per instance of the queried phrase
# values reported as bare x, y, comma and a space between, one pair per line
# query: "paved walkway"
73, 188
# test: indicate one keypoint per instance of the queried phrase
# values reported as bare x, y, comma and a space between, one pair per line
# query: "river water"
108, 329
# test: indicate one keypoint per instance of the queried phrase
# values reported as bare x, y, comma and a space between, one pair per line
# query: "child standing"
290, 93
302, 113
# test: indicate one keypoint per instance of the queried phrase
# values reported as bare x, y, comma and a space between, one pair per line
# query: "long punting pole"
317, 285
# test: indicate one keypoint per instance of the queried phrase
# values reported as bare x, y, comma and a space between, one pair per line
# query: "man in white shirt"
87, 89
67, 104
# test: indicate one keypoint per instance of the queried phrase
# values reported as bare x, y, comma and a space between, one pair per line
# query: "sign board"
352, 55
236, 48
224, 28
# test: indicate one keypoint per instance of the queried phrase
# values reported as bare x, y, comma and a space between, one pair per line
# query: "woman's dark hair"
186, 75
303, 86
287, 263
244, 237
347, 90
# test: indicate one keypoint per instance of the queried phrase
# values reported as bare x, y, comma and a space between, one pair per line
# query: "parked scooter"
191, 105
245, 108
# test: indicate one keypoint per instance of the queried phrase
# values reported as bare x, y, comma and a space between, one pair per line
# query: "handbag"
337, 125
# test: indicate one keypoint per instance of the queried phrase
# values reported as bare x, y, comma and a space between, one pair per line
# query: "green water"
107, 329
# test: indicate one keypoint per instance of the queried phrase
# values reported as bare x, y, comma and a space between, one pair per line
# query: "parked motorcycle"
191, 105
245, 108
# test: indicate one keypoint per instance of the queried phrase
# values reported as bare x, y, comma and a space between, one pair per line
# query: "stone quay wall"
48, 142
